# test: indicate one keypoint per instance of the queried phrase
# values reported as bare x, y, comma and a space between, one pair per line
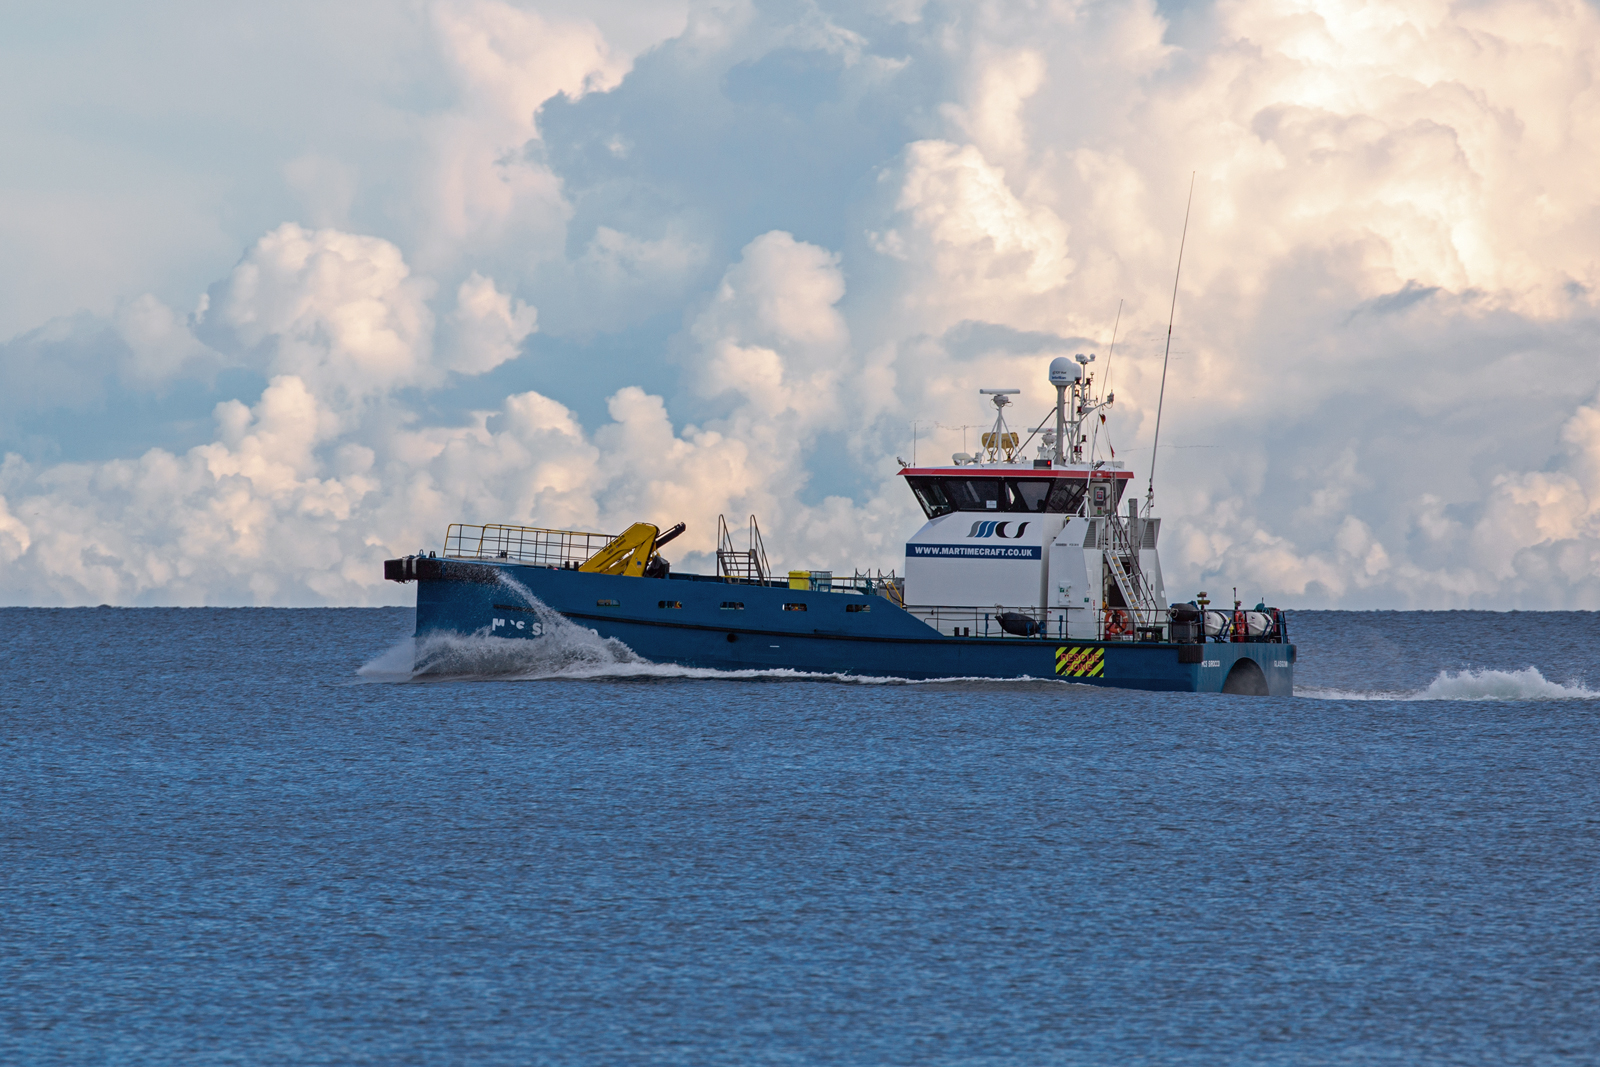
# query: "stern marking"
1079, 662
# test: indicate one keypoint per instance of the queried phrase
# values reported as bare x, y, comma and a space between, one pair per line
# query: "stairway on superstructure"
1123, 537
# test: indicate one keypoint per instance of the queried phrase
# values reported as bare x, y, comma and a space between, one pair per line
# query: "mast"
1063, 375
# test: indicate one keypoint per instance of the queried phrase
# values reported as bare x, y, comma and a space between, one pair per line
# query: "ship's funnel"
1064, 372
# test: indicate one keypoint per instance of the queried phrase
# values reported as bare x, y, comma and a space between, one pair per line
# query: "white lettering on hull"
532, 628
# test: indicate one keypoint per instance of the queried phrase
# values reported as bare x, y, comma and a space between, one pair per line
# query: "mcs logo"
990, 528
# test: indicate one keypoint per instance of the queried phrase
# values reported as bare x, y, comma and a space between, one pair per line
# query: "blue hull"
689, 620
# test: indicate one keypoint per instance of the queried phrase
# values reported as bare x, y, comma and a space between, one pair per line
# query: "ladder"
741, 565
1131, 582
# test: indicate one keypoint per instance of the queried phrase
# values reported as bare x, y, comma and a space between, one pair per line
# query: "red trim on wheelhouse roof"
1076, 474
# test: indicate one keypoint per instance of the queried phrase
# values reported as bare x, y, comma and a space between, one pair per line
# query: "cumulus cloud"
161, 343
79, 362
489, 326
340, 310
819, 229
301, 495
485, 188
983, 242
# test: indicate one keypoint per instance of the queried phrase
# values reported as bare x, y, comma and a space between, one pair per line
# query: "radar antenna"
1000, 439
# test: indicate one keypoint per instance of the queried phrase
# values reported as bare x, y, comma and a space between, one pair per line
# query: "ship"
1036, 565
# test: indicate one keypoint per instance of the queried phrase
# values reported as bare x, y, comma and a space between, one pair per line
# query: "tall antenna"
1112, 354
1150, 491
1105, 386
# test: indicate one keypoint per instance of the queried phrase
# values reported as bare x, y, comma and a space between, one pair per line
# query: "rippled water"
265, 837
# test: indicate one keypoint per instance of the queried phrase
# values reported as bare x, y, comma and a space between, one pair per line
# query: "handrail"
1178, 624
743, 565
525, 544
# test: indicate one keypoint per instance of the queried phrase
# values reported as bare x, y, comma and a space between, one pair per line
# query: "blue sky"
284, 291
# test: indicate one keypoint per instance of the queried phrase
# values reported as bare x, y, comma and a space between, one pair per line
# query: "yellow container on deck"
817, 581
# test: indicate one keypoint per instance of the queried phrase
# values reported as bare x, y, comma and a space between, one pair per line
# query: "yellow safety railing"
525, 544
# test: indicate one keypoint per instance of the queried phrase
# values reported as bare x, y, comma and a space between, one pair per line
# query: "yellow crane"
630, 554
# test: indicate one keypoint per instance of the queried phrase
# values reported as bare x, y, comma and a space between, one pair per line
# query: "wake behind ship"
1025, 567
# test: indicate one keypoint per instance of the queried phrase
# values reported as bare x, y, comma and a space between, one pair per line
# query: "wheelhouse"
990, 489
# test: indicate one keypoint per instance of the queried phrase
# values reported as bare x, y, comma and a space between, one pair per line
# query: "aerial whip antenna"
1112, 354
1105, 388
1150, 490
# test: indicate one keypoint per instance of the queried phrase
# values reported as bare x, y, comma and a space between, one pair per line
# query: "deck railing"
525, 544
1181, 625
556, 548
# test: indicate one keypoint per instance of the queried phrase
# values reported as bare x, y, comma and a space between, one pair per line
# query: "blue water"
222, 843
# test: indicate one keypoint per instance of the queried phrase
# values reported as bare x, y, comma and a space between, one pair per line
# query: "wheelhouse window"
976, 494
931, 495
942, 495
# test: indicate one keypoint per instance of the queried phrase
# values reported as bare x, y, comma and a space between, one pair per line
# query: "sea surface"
258, 837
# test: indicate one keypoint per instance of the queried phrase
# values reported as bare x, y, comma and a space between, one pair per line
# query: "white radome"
1064, 371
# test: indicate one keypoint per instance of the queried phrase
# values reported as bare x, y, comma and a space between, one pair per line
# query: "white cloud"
340, 310
300, 496
161, 344
772, 335
985, 243
614, 256
489, 324
993, 118
1383, 368
14, 537
483, 192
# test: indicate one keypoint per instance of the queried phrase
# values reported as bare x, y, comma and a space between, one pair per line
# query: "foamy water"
565, 650
1526, 684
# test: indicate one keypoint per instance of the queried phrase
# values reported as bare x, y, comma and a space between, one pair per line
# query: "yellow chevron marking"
1079, 662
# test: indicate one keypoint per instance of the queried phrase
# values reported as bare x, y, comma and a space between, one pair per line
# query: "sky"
286, 289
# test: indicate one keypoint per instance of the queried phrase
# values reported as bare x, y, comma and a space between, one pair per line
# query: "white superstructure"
1046, 537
